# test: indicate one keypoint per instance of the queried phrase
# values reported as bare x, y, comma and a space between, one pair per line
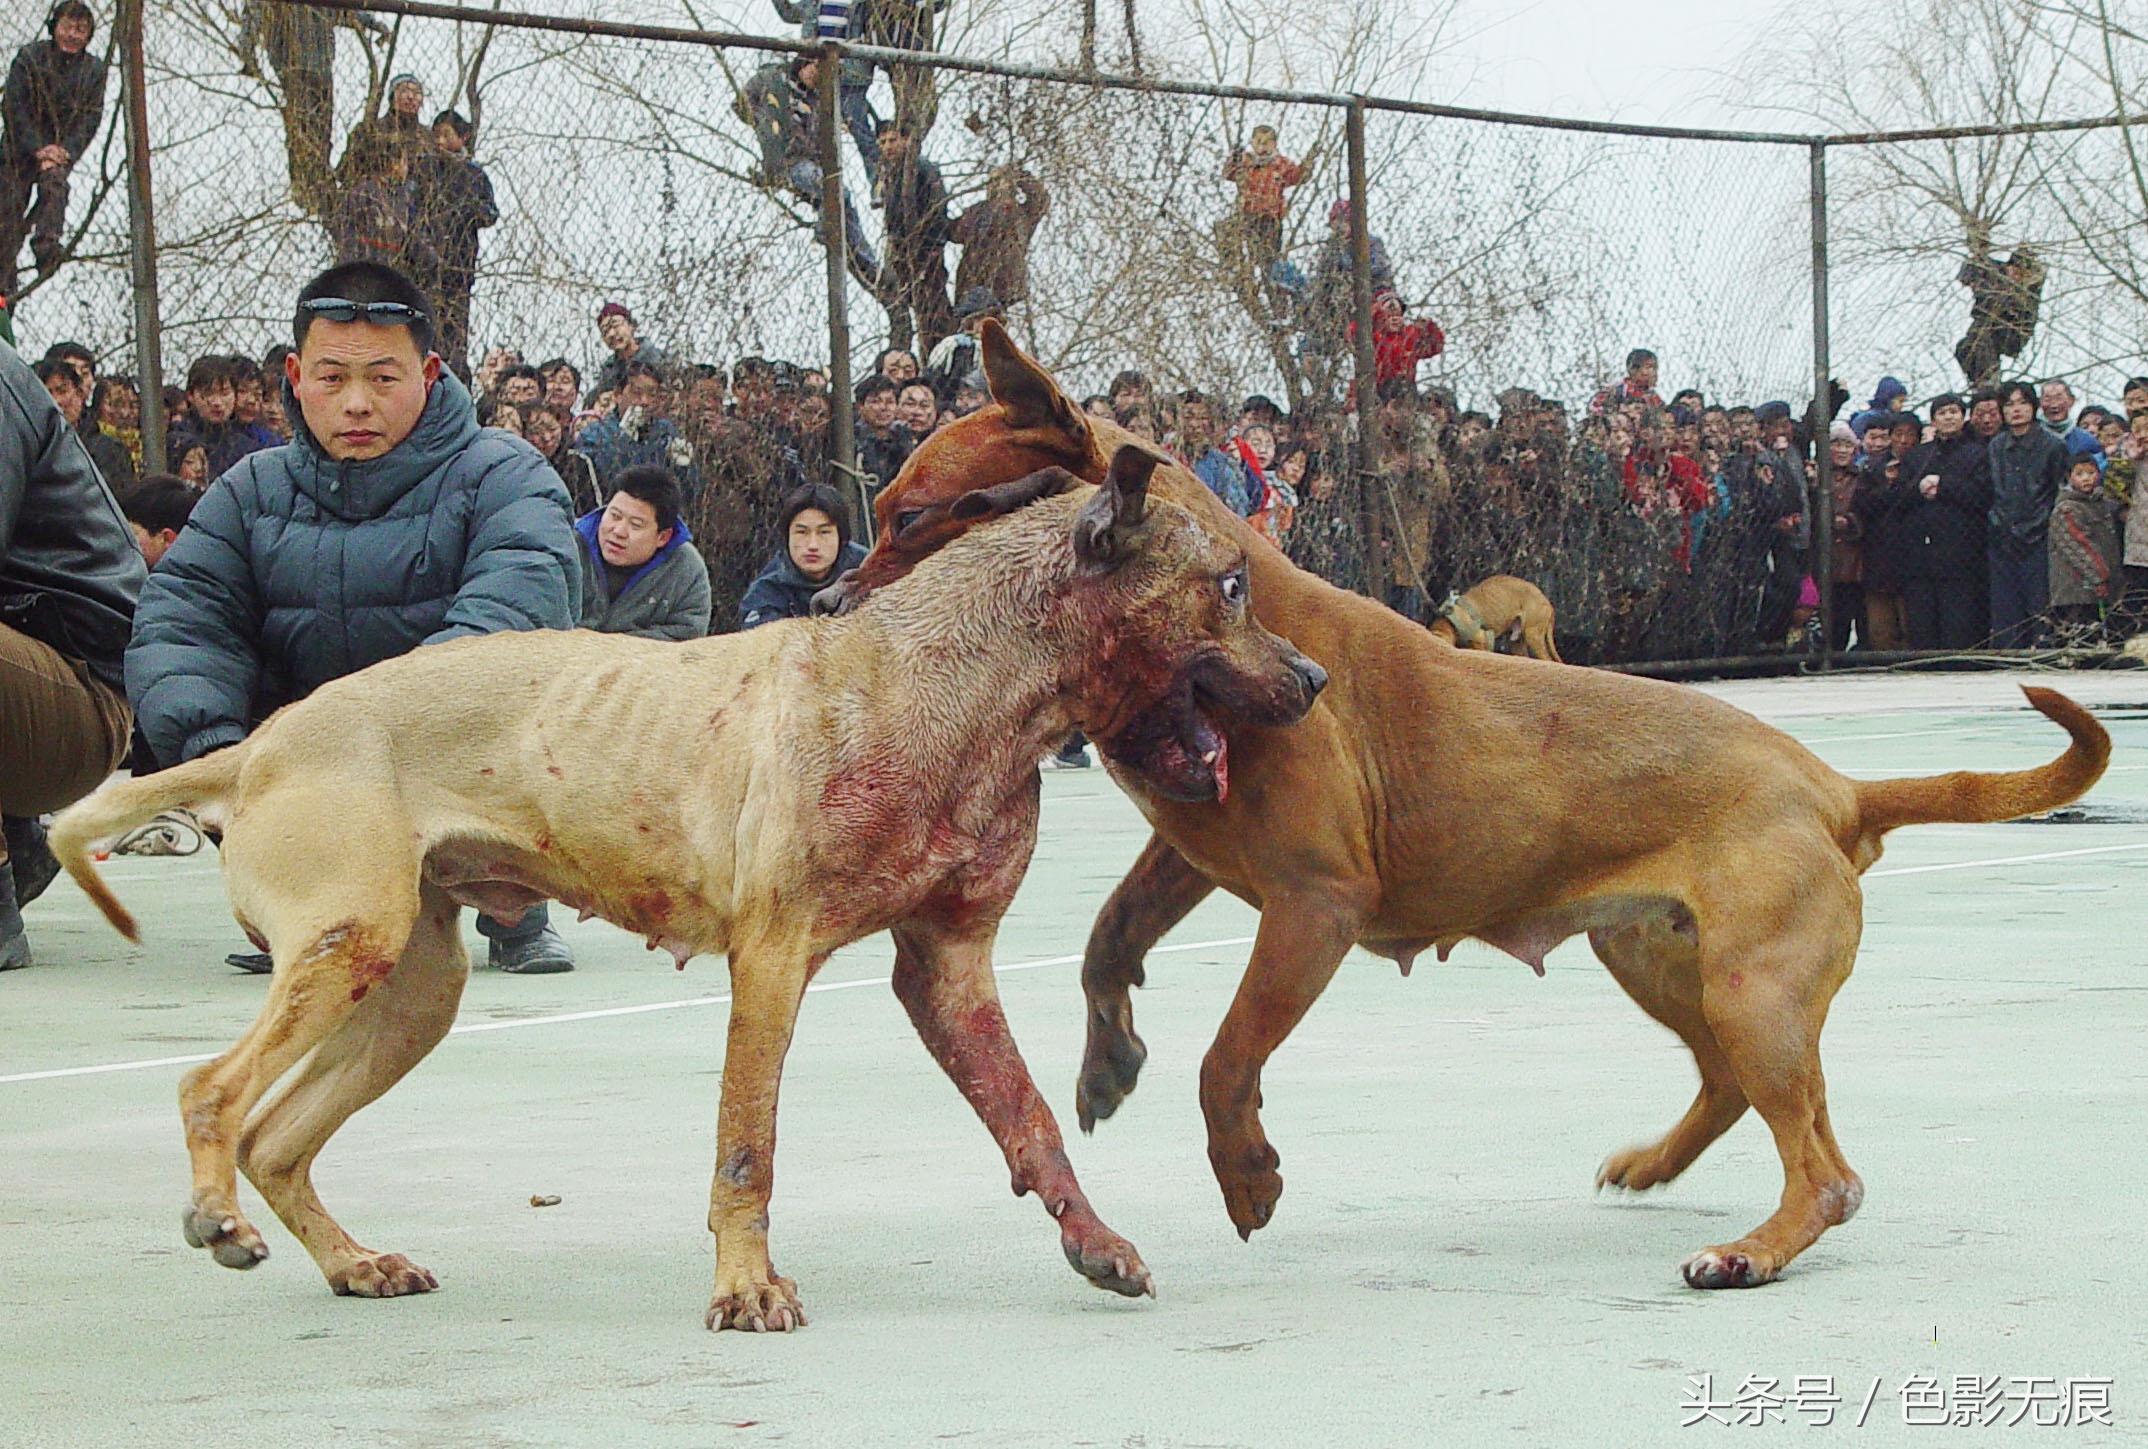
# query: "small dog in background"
1500, 610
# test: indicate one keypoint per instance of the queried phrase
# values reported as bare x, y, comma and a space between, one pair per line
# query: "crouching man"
69, 574
640, 571
390, 520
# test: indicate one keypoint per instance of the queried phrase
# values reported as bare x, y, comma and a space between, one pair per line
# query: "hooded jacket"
782, 592
296, 569
69, 570
666, 598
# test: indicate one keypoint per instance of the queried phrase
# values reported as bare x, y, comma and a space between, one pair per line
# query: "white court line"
518, 1023
2008, 860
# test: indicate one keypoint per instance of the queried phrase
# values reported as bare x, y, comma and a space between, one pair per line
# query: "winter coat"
1226, 478
2026, 475
781, 114
52, 98
2137, 521
69, 568
782, 592
454, 203
295, 570
666, 598
614, 442
375, 220
225, 442
1943, 537
611, 373
1883, 508
881, 458
916, 218
1261, 183
2084, 550
995, 238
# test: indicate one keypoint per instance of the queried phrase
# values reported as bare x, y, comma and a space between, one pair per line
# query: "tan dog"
1438, 794
774, 795
1500, 610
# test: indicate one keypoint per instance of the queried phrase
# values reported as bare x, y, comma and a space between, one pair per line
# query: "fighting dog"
821, 780
1437, 794
1499, 610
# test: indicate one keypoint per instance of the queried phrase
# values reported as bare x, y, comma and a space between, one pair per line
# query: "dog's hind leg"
1156, 895
1768, 973
1301, 941
1659, 967
336, 902
944, 980
390, 1031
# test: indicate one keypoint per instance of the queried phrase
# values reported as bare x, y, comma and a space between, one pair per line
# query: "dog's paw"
1110, 1069
1251, 1185
758, 1307
1635, 1170
382, 1275
230, 1239
1108, 1261
1726, 1267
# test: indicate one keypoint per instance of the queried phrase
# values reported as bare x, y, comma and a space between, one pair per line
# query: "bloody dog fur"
1436, 794
819, 780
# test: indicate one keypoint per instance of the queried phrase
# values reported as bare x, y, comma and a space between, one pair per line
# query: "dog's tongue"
1207, 744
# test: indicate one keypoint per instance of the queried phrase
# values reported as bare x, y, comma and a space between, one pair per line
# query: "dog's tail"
123, 804
1969, 797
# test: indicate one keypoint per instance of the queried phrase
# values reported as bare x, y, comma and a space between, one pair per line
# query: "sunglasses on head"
342, 309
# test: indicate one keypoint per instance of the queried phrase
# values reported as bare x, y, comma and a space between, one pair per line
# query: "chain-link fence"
1200, 236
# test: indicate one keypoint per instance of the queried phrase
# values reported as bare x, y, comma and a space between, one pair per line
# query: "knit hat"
406, 78
1888, 390
613, 309
1340, 211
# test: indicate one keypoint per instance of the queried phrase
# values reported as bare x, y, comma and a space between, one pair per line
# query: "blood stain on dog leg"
368, 972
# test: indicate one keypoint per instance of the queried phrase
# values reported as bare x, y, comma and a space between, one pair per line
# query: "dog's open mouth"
1176, 746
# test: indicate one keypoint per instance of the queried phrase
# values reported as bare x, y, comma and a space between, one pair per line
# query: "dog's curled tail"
1969, 797
123, 804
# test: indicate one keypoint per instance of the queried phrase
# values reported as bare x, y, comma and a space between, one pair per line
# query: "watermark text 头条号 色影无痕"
1958, 1401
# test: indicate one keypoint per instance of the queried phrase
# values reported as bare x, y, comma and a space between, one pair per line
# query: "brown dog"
1437, 794
818, 781
1500, 610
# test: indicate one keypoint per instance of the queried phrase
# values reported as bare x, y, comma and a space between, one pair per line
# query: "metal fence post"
1365, 362
1821, 507
842, 442
142, 242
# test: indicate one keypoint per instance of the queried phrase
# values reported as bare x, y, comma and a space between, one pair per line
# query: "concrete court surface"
1439, 1271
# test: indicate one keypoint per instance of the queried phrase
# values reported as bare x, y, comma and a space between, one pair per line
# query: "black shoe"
49, 254
32, 865
257, 963
543, 954
14, 940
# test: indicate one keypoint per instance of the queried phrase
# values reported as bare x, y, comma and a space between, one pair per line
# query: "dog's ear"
1016, 493
1025, 392
1103, 528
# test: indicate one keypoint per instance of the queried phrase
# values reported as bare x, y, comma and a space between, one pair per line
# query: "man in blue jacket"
389, 521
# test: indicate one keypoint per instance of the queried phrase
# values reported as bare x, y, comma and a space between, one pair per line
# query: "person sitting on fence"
815, 529
1399, 343
2086, 552
53, 106
375, 219
1636, 389
399, 127
1253, 232
995, 235
2003, 303
778, 103
845, 20
636, 432
640, 571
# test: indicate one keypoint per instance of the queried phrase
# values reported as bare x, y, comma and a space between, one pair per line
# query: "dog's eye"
1233, 587
908, 516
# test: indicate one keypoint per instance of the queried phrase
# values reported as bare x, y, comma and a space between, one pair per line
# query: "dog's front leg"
767, 983
1301, 941
1156, 895
944, 980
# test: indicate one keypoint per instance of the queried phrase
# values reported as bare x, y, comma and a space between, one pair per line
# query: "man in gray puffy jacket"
389, 521
640, 571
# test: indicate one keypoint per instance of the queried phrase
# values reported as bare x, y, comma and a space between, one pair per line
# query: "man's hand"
51, 156
1787, 523
1928, 485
